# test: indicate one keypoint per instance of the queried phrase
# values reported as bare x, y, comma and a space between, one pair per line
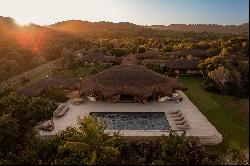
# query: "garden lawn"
229, 114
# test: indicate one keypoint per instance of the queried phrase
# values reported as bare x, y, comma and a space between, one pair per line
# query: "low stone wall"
10, 83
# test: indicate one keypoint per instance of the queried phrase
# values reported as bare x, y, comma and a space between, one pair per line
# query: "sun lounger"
179, 118
186, 126
176, 115
183, 122
61, 110
77, 101
47, 126
174, 112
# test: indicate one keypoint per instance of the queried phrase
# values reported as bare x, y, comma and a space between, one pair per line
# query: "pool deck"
199, 124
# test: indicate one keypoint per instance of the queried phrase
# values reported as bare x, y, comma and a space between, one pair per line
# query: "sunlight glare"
22, 21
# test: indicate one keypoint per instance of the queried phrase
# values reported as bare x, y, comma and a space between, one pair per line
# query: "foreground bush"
18, 115
87, 144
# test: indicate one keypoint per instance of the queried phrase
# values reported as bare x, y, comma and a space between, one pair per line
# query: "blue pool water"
134, 120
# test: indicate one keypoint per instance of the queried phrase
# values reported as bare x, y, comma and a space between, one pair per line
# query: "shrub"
235, 156
40, 109
88, 144
9, 132
141, 49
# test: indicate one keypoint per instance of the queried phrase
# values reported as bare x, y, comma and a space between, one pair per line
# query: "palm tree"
90, 141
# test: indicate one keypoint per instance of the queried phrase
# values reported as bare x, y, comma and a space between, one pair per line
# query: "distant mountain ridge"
243, 28
85, 26
79, 26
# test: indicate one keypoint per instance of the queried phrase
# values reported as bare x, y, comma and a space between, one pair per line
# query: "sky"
141, 12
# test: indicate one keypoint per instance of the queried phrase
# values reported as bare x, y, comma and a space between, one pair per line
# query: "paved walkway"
199, 125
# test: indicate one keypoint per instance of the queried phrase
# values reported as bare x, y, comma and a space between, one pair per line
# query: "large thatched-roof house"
183, 66
97, 57
129, 82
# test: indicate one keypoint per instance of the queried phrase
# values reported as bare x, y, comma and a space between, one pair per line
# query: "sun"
22, 21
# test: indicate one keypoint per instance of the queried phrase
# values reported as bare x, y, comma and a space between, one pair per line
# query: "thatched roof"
182, 64
130, 60
39, 86
130, 80
234, 59
138, 57
185, 52
98, 56
154, 62
145, 55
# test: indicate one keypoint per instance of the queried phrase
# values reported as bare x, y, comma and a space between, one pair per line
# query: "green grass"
229, 114
36, 77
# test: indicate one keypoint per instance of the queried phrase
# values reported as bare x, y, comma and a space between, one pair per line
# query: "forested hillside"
243, 28
25, 47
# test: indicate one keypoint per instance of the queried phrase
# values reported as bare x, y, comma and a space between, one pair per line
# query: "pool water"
134, 120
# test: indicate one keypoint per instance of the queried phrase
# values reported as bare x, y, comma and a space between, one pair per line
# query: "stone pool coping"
199, 124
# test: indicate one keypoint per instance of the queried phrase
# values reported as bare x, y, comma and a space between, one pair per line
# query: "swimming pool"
134, 120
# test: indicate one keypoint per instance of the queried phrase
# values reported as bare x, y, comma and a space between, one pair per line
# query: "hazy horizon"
140, 12
125, 22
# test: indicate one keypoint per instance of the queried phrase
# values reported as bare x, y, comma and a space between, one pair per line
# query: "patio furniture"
185, 126
176, 115
61, 110
164, 98
183, 122
47, 125
176, 97
179, 118
91, 98
77, 101
174, 112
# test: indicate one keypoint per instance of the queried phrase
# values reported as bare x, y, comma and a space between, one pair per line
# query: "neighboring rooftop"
233, 58
182, 64
193, 52
154, 62
39, 86
98, 56
138, 57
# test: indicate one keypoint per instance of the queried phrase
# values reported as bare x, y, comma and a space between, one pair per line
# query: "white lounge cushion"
179, 118
183, 122
176, 115
174, 112
186, 126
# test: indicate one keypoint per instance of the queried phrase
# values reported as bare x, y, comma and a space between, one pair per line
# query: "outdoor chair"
186, 126
48, 125
183, 122
174, 112
176, 115
179, 118
178, 100
77, 101
61, 110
